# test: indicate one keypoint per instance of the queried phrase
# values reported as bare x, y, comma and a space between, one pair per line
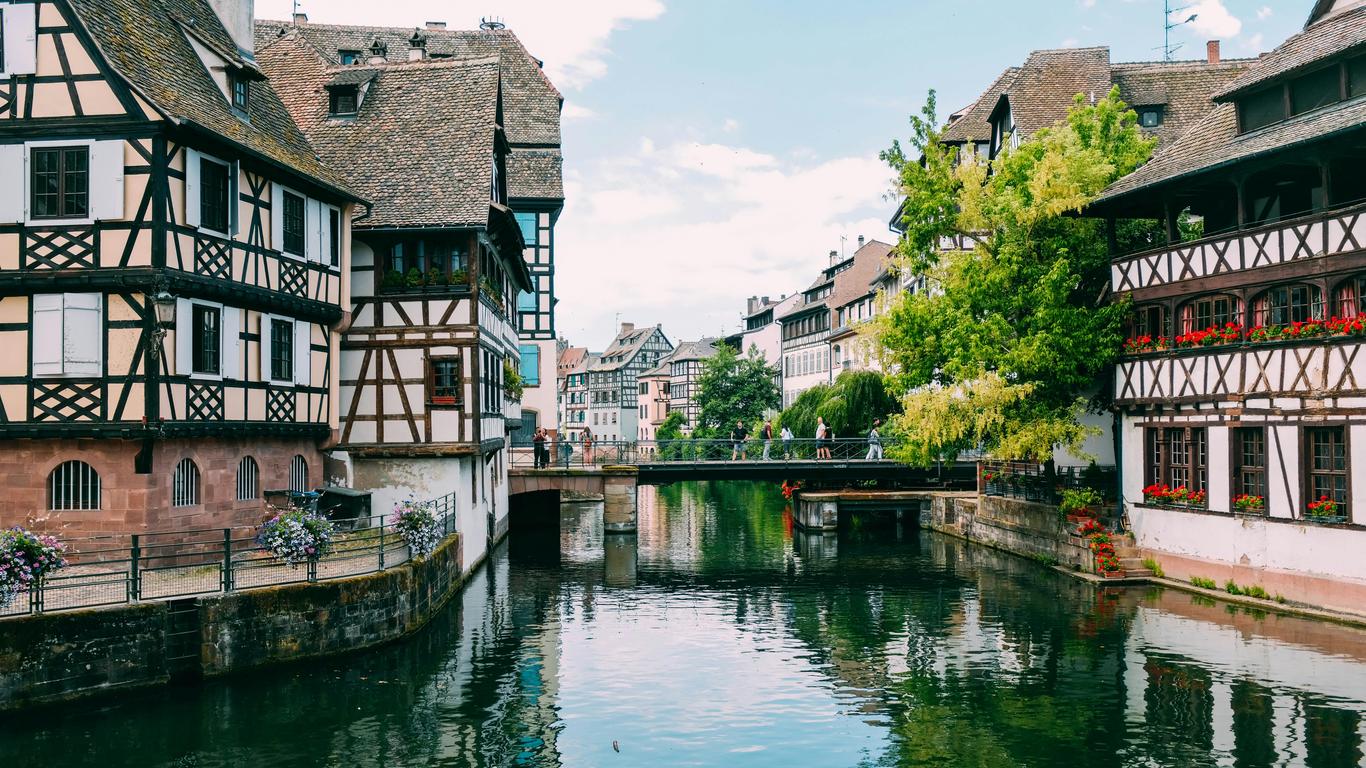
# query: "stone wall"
59, 656
1023, 527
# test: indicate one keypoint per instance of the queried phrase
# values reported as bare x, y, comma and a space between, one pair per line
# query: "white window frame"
227, 347
301, 366
61, 337
194, 189
29, 146
277, 221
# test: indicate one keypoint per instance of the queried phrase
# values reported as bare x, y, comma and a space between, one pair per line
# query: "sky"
720, 149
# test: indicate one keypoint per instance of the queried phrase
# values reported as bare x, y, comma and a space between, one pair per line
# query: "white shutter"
325, 234
106, 180
16, 182
303, 352
263, 349
192, 187
183, 337
47, 334
234, 198
313, 230
277, 217
21, 39
232, 343
82, 335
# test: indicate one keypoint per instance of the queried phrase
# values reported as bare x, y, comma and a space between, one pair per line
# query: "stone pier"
820, 510
619, 499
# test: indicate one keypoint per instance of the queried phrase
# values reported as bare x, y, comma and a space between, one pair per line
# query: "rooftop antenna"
843, 240
491, 24
1168, 25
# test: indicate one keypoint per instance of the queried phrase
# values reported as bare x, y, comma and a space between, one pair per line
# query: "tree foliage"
669, 435
1003, 350
848, 406
735, 388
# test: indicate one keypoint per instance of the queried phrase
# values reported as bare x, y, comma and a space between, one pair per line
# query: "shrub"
296, 536
418, 526
1153, 566
1204, 583
1232, 588
1255, 590
1079, 500
25, 559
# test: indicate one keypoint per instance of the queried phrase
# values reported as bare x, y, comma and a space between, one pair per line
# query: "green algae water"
719, 636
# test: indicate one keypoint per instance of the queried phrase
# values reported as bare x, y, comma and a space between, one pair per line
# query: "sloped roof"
1183, 88
694, 350
626, 345
856, 282
1042, 91
975, 124
1333, 35
531, 103
145, 41
571, 358
421, 144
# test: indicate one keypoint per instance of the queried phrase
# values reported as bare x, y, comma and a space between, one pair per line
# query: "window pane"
281, 350
75, 182
205, 341
293, 224
1261, 109
1315, 90
1356, 77
213, 195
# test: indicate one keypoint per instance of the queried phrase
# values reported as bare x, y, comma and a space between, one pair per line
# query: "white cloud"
731, 125
1069, 42
575, 111
680, 233
1253, 44
1212, 19
1263, 13
1088, 3
570, 37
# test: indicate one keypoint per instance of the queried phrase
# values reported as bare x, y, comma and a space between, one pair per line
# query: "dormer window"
240, 88
347, 58
343, 101
1150, 116
1313, 90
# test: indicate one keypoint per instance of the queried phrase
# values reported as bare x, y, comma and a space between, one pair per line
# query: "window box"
1326, 519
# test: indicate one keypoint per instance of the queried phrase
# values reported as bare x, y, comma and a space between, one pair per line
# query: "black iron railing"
1043, 483
576, 453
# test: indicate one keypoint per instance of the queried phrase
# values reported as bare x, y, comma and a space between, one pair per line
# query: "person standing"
768, 438
787, 442
737, 439
587, 441
822, 436
538, 448
874, 442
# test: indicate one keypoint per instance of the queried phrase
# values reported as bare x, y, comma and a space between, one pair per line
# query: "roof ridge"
451, 63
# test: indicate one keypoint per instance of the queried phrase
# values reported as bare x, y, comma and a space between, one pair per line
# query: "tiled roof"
1333, 35
694, 350
1182, 88
1042, 91
571, 358
626, 346
422, 142
145, 41
856, 282
975, 124
531, 103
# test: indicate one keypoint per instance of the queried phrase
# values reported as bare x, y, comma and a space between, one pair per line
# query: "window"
1327, 464
1149, 117
1356, 77
1177, 457
1316, 89
531, 364
248, 479
185, 484
298, 474
1287, 304
1260, 109
241, 92
430, 263
293, 219
334, 237
68, 334
281, 350
349, 57
73, 486
527, 221
206, 335
343, 100
215, 193
1210, 311
1249, 461
443, 381
1351, 297
60, 182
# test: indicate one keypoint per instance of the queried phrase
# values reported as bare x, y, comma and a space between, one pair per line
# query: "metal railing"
1041, 483
575, 453
125, 568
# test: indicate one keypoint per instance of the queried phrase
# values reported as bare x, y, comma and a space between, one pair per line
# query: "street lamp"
163, 303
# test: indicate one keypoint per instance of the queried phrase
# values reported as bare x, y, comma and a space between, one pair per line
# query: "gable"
70, 76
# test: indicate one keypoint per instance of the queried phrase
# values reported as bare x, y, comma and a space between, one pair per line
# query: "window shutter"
21, 39
234, 198
47, 334
82, 335
192, 187
313, 221
303, 352
277, 217
12, 191
232, 343
263, 349
183, 340
106, 180
325, 234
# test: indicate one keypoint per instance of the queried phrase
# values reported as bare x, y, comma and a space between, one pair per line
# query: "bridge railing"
576, 453
1030, 481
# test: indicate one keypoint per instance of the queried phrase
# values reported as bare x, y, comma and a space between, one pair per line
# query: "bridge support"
817, 512
619, 499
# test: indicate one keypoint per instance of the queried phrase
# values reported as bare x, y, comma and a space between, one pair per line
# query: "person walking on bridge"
768, 438
874, 442
587, 441
737, 439
822, 439
787, 442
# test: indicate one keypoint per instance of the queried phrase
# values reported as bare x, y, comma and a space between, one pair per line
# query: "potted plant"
1080, 503
414, 278
1326, 510
393, 280
991, 479
460, 277
296, 536
418, 526
1157, 494
435, 277
1247, 504
26, 558
1107, 565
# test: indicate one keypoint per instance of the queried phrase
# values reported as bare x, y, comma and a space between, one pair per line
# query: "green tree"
669, 435
735, 388
848, 406
1003, 350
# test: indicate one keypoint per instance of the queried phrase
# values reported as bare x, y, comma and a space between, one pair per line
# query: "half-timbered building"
172, 254
613, 389
437, 262
1245, 375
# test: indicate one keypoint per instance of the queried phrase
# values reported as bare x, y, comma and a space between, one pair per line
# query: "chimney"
751, 305
300, 18
834, 258
860, 241
379, 52
628, 327
237, 17
1212, 51
436, 25
417, 46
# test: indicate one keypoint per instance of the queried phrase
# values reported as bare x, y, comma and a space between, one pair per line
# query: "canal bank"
57, 657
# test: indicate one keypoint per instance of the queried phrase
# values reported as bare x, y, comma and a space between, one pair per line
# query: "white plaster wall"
1131, 460
1283, 471
1356, 437
541, 398
1251, 542
1100, 448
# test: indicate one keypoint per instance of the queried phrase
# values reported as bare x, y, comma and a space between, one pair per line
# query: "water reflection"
718, 635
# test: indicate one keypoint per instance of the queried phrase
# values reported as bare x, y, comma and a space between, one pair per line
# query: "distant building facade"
613, 389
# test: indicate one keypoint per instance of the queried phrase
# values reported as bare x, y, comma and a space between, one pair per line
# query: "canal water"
719, 636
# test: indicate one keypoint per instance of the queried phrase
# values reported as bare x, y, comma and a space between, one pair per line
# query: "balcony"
1325, 233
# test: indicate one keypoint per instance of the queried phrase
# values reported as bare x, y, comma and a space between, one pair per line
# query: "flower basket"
26, 558
296, 536
418, 526
1326, 511
1246, 504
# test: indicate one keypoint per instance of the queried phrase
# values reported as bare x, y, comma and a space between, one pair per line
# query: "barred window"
248, 479
73, 485
298, 474
185, 484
